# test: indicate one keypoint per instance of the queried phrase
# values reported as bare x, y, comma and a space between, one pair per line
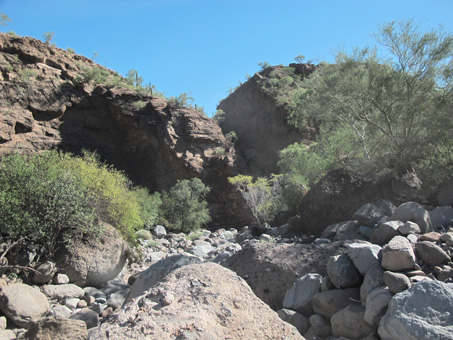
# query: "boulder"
414, 212
386, 231
158, 271
159, 231
299, 321
342, 272
298, 297
196, 301
369, 214
376, 305
423, 311
441, 217
271, 268
23, 304
409, 228
319, 327
329, 302
373, 279
343, 231
60, 279
432, 236
398, 255
349, 323
396, 282
364, 256
431, 254
46, 271
61, 292
88, 316
57, 328
93, 263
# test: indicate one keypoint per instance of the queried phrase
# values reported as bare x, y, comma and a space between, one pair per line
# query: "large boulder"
23, 304
414, 212
350, 324
298, 297
57, 328
156, 272
424, 311
364, 256
331, 301
398, 255
340, 193
342, 272
197, 301
431, 254
94, 262
271, 268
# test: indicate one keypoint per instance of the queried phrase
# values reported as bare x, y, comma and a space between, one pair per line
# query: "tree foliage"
185, 207
393, 103
4, 19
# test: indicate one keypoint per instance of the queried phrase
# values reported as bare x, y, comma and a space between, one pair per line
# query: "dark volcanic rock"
47, 102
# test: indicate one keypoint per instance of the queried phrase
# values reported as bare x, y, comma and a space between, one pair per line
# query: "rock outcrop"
51, 98
259, 122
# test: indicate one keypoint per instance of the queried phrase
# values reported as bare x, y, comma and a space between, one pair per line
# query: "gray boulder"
364, 256
396, 282
88, 316
376, 305
441, 217
431, 254
159, 231
349, 323
329, 302
386, 231
373, 279
298, 297
61, 292
46, 272
343, 231
23, 304
412, 211
409, 228
299, 321
342, 272
369, 214
398, 255
319, 327
424, 311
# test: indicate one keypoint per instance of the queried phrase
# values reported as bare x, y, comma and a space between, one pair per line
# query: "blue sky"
206, 47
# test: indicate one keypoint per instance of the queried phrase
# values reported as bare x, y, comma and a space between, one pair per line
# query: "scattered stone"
57, 328
364, 256
447, 237
89, 317
60, 279
72, 303
423, 311
46, 271
94, 292
412, 211
61, 292
365, 231
349, 322
159, 231
412, 238
2, 323
98, 307
82, 304
329, 302
342, 272
298, 297
409, 228
373, 279
386, 231
432, 236
388, 207
343, 231
265, 238
296, 319
445, 274
319, 326
431, 254
326, 284
398, 255
369, 214
107, 312
396, 282
376, 305
23, 304
59, 311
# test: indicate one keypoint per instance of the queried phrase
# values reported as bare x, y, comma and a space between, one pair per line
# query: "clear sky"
206, 47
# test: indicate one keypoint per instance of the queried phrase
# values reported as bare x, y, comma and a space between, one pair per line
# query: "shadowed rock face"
45, 104
260, 123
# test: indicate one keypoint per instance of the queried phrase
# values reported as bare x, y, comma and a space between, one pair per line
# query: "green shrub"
185, 207
149, 205
41, 200
143, 234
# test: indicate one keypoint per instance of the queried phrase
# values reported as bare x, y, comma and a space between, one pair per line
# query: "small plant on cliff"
4, 19
185, 207
48, 36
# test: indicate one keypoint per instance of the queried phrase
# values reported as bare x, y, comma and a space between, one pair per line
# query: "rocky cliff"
52, 98
258, 113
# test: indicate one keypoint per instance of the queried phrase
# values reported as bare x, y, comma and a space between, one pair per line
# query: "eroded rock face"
47, 102
198, 301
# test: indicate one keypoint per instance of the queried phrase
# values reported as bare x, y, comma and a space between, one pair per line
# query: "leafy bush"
41, 200
53, 195
231, 137
185, 207
143, 234
262, 196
